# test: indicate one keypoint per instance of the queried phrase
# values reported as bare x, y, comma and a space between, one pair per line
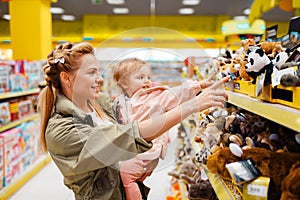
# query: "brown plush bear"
242, 71
291, 184
188, 169
271, 164
247, 43
202, 190
271, 48
217, 161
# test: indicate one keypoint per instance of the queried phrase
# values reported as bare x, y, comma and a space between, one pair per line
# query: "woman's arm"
210, 97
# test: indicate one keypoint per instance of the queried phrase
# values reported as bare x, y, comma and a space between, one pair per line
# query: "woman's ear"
65, 78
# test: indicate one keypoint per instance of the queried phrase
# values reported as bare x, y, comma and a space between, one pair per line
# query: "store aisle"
159, 181
48, 183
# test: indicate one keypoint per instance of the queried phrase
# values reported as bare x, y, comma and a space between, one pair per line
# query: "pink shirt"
154, 101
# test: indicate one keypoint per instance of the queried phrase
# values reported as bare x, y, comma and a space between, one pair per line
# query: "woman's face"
87, 81
138, 79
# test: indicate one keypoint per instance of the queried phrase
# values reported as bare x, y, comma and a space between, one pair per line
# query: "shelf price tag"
257, 189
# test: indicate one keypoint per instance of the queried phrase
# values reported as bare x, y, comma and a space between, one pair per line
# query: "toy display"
259, 63
234, 135
290, 184
12, 155
1, 163
4, 78
4, 113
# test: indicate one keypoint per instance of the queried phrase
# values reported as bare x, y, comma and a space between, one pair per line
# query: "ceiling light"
240, 18
96, 2
186, 11
191, 2
68, 17
57, 10
6, 16
247, 11
115, 2
121, 10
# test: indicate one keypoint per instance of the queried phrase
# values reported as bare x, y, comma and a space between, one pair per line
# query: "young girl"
141, 100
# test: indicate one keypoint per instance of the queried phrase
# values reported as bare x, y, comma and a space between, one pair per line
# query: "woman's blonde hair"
126, 67
64, 58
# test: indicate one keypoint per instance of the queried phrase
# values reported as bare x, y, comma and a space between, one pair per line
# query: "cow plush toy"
259, 63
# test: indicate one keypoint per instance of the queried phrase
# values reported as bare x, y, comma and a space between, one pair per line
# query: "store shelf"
18, 94
284, 115
220, 187
35, 168
183, 190
18, 122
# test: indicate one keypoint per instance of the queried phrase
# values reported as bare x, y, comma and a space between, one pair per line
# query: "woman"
79, 128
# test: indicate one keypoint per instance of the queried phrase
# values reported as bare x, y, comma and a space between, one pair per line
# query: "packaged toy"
4, 113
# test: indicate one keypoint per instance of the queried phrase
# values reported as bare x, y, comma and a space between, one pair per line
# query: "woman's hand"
210, 97
208, 81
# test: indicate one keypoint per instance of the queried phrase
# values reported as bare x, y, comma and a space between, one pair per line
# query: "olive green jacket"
87, 154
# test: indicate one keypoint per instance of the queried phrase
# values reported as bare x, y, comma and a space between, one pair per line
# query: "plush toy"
288, 80
186, 171
271, 164
280, 59
216, 162
234, 68
270, 48
259, 63
224, 69
291, 184
210, 137
242, 69
246, 44
201, 190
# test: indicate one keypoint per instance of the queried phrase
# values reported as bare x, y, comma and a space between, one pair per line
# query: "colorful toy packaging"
11, 154
1, 163
29, 142
4, 114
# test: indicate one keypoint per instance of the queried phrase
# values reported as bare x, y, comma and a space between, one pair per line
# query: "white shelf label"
257, 190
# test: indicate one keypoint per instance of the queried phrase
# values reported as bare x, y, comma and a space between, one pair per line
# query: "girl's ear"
123, 84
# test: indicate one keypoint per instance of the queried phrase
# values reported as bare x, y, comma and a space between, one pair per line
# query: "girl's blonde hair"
126, 67
65, 57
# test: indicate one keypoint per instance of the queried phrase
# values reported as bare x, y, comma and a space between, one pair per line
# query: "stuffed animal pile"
253, 60
189, 171
272, 147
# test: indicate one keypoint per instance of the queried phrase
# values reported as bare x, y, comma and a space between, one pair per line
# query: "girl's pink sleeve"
179, 94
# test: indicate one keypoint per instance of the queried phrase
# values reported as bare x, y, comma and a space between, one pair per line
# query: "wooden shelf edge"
12, 188
18, 122
281, 114
18, 94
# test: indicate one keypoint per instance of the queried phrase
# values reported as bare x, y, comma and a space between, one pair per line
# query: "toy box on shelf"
30, 143
20, 75
289, 96
1, 163
241, 86
11, 155
245, 87
4, 113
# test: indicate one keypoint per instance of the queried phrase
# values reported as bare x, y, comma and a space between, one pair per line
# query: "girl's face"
138, 79
87, 81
